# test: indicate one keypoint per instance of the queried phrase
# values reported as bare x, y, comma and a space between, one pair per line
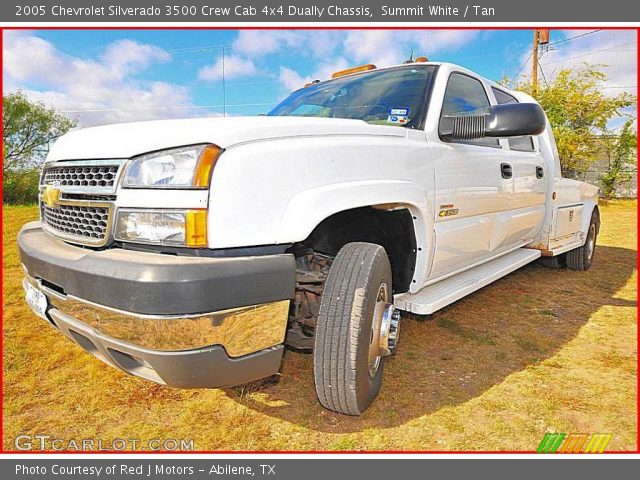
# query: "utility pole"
540, 37
534, 72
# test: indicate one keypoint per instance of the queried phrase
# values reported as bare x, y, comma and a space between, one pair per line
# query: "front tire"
347, 362
581, 258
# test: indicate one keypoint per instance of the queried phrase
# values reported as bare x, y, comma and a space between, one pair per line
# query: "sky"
109, 76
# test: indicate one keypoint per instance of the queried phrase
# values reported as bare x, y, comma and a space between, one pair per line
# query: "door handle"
539, 172
506, 170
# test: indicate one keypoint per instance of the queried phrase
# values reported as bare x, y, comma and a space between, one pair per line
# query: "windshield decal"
399, 111
398, 115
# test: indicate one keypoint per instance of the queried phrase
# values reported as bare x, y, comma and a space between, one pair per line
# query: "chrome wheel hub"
385, 329
389, 330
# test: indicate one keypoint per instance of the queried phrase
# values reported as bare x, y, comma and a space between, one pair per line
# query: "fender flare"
589, 207
308, 208
587, 218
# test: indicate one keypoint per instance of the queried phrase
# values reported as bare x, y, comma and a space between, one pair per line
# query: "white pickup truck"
190, 252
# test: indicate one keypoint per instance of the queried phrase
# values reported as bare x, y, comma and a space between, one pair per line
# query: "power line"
574, 37
167, 107
591, 50
238, 84
590, 53
483, 55
205, 48
523, 65
544, 77
570, 58
198, 49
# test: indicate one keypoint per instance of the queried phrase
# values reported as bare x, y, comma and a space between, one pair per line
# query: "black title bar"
316, 469
351, 11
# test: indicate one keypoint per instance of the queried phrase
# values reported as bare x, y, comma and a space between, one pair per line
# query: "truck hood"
126, 140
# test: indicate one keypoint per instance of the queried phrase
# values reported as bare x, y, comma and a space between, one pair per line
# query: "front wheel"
357, 327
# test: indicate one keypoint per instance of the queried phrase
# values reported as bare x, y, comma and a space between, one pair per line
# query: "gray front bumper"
154, 283
182, 321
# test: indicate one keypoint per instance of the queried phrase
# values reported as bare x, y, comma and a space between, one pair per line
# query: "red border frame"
306, 452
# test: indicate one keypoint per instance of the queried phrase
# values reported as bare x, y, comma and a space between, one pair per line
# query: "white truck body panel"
567, 221
279, 177
495, 215
314, 182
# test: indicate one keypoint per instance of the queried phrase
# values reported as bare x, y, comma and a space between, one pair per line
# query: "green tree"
621, 151
578, 110
28, 130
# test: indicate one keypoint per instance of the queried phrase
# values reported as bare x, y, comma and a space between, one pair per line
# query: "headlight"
184, 228
184, 167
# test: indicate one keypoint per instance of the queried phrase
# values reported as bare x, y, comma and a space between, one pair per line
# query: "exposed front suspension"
311, 273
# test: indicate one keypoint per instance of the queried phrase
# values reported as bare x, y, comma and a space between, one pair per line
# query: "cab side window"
521, 144
466, 95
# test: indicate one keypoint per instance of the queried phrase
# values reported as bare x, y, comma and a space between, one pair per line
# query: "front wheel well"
392, 228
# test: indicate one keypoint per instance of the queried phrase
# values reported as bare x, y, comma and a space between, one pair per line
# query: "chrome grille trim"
77, 221
83, 176
81, 221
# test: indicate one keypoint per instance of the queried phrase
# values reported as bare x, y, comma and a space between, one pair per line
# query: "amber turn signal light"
205, 165
195, 234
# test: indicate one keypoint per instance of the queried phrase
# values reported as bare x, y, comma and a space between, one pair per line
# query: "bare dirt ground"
540, 350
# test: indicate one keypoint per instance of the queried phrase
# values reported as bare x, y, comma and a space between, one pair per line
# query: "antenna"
410, 57
224, 88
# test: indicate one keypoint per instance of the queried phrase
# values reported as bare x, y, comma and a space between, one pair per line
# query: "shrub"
20, 187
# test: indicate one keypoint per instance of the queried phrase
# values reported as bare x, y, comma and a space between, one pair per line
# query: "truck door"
474, 186
530, 172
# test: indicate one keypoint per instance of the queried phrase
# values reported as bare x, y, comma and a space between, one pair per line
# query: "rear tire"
347, 371
559, 261
581, 258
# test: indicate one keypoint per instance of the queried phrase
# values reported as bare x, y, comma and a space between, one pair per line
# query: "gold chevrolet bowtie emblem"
50, 196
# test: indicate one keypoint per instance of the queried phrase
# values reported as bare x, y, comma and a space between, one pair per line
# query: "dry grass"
538, 351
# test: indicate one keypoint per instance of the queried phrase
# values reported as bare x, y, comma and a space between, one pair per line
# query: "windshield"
394, 97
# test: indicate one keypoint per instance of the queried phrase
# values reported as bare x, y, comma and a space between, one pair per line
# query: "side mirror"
508, 120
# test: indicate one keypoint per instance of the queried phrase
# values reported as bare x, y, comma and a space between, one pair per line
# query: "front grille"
101, 176
78, 223
77, 198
